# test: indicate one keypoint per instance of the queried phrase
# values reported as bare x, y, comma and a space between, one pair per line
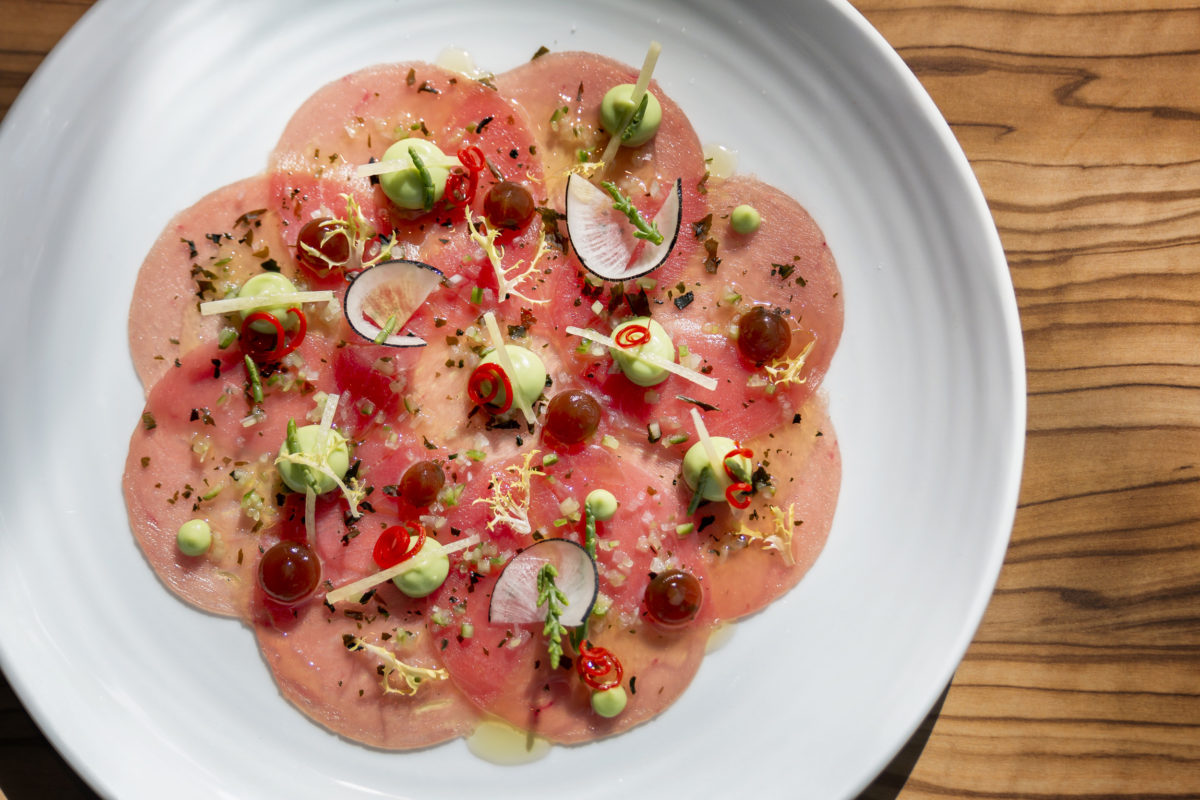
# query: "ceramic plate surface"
147, 106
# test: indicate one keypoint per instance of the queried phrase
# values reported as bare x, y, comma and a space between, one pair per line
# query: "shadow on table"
889, 783
31, 769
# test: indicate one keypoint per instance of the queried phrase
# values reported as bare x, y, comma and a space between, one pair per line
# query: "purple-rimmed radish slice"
603, 237
515, 596
381, 299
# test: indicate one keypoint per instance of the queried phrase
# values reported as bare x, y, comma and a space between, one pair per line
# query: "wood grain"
1082, 122
1081, 119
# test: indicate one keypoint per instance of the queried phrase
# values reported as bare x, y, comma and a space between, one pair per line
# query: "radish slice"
392, 290
603, 238
514, 599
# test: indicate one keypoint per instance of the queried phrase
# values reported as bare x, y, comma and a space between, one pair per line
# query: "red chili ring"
595, 663
472, 158
731, 494
297, 338
282, 345
492, 374
394, 545
734, 453
632, 336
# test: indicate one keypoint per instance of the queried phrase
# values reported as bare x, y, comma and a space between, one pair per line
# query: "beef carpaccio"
450, 455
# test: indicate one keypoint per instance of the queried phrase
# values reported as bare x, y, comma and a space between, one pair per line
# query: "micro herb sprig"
553, 598
636, 120
645, 230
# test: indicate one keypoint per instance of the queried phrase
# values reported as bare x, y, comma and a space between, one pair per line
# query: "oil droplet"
720, 160
456, 59
719, 636
506, 745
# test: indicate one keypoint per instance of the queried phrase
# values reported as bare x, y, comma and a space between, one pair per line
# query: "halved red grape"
763, 335
289, 572
508, 205
673, 598
421, 483
572, 416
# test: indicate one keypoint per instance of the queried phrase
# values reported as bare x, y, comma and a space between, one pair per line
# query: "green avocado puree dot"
745, 219
602, 503
618, 102
429, 569
405, 187
530, 380
266, 284
609, 702
194, 537
697, 459
643, 373
337, 458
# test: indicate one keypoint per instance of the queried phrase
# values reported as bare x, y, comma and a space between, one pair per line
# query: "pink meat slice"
354, 119
316, 659
578, 82
503, 668
785, 265
805, 464
189, 444
221, 240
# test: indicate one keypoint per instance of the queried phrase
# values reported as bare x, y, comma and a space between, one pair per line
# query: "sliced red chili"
485, 384
252, 340
734, 453
472, 158
597, 667
738, 494
632, 336
395, 545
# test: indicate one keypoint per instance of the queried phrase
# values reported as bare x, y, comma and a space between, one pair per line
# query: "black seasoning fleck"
271, 265
427, 87
148, 421
483, 123
795, 419
192, 251
684, 300
705, 522
216, 362
145, 461
514, 153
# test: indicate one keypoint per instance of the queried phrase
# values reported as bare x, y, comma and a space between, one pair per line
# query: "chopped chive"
388, 329
293, 438
476, 295
426, 178
256, 390
476, 455
227, 337
550, 460
677, 438
213, 492
701, 485
685, 529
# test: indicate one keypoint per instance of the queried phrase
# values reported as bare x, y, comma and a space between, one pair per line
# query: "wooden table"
1082, 121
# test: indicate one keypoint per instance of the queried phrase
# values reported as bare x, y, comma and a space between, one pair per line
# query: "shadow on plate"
31, 769
889, 783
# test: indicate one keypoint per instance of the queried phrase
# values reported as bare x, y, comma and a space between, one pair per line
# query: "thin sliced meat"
323, 660
630, 548
190, 456
217, 243
744, 573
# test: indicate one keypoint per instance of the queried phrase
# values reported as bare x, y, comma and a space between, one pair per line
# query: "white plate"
146, 106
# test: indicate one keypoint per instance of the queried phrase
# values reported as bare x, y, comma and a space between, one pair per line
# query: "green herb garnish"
706, 475
645, 230
256, 390
426, 178
635, 120
388, 329
553, 598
